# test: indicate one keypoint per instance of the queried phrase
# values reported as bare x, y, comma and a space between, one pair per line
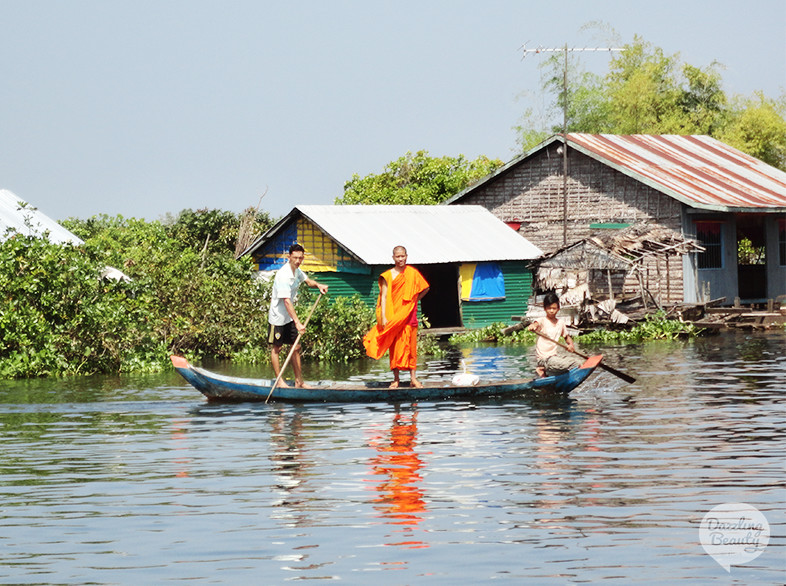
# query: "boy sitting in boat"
550, 362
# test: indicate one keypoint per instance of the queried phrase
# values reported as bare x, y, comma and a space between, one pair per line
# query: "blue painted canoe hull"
217, 387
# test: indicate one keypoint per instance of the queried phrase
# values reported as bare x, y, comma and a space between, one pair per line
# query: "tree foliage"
649, 92
417, 179
757, 126
58, 317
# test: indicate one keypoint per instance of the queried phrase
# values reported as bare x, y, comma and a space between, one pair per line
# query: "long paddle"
626, 377
294, 345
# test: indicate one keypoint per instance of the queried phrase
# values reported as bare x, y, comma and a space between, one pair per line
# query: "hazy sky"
143, 108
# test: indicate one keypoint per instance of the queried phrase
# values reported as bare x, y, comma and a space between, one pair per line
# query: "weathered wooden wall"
531, 193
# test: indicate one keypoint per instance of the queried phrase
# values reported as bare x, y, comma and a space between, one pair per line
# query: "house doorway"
751, 258
441, 305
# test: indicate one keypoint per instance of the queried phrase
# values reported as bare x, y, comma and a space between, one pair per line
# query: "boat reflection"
400, 500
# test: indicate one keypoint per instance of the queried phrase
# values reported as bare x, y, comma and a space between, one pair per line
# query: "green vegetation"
648, 92
187, 295
654, 327
493, 333
417, 179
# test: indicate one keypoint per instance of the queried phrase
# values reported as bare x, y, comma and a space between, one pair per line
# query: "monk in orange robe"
400, 289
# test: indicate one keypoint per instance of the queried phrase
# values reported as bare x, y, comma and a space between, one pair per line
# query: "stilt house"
476, 265
695, 187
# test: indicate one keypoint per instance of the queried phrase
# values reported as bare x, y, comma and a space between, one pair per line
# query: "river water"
138, 480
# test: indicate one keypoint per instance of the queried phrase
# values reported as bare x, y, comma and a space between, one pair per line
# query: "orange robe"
399, 335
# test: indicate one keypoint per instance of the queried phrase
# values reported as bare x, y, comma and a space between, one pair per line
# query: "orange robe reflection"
400, 333
400, 494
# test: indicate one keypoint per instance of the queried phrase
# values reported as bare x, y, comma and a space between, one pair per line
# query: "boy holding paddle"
551, 329
284, 322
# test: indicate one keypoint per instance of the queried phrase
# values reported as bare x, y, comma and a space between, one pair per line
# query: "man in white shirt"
284, 322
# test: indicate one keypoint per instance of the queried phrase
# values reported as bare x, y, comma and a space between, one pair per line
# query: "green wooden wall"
347, 284
518, 289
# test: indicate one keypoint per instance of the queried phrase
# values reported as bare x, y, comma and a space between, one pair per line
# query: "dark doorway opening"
441, 305
751, 258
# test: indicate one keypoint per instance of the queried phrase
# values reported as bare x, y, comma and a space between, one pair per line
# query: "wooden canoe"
221, 388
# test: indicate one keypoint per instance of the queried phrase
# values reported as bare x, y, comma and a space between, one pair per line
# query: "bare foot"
282, 384
393, 385
304, 385
416, 383
541, 372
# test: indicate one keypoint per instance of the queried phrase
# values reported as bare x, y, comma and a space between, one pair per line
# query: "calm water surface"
138, 480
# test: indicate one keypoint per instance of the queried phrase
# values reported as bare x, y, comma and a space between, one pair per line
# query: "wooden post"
565, 152
641, 290
668, 284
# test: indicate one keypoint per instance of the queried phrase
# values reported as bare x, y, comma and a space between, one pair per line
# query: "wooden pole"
294, 345
565, 151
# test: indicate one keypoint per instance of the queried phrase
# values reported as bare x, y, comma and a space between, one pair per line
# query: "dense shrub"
653, 327
58, 317
336, 329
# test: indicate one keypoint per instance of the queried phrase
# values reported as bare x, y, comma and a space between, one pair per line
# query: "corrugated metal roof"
697, 170
17, 214
431, 234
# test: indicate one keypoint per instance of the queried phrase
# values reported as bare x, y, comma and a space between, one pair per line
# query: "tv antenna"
565, 50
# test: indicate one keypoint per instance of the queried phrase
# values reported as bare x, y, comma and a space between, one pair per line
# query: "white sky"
147, 107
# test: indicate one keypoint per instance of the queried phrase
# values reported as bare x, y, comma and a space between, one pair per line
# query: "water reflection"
400, 501
290, 464
179, 437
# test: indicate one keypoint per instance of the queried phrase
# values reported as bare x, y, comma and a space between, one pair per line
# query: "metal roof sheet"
17, 214
697, 170
431, 234
700, 171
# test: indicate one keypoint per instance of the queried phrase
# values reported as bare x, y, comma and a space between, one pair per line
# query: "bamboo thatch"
585, 254
598, 266
642, 240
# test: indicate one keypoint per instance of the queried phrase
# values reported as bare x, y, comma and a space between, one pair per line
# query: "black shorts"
280, 335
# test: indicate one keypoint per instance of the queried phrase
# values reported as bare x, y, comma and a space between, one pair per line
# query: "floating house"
475, 264
731, 204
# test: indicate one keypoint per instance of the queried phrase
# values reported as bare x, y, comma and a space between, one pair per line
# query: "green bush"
336, 329
654, 327
493, 333
57, 317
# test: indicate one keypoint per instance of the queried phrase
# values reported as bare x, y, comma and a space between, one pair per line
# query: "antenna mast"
565, 50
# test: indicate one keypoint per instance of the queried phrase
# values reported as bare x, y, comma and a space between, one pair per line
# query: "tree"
648, 92
417, 179
757, 126
642, 90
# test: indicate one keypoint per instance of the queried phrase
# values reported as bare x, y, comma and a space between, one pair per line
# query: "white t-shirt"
544, 348
285, 286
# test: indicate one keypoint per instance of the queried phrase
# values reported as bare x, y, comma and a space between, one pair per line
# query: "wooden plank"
728, 310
